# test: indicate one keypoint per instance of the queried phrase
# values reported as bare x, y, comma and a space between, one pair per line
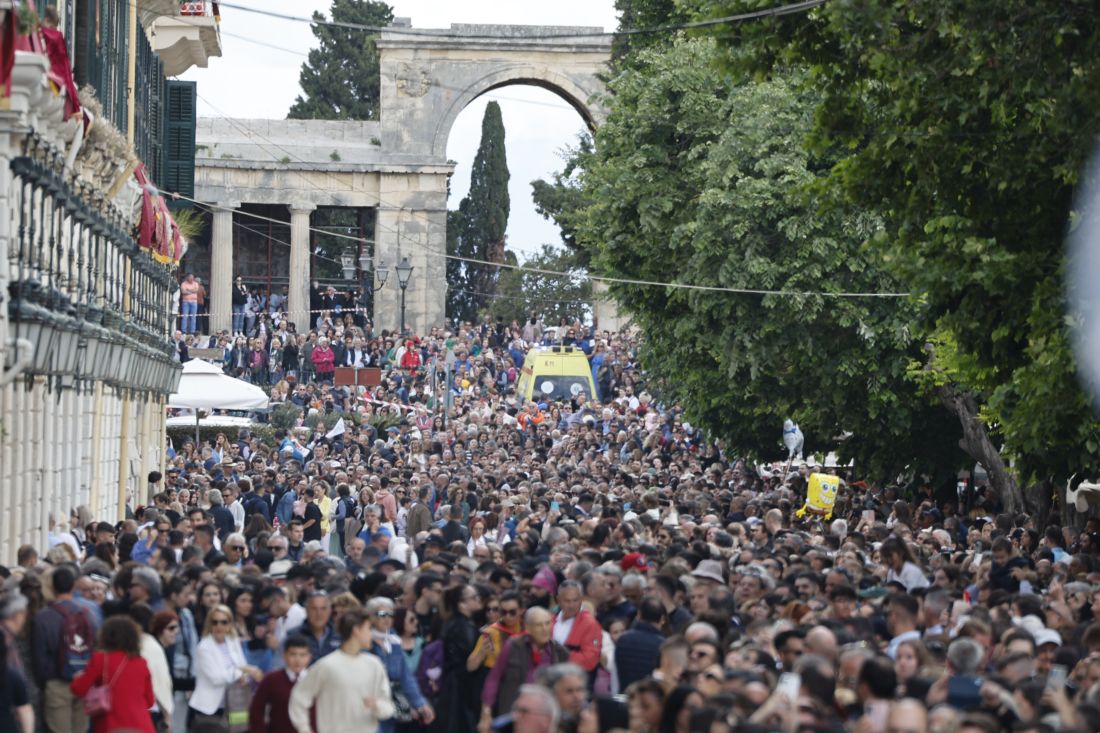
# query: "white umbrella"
205, 386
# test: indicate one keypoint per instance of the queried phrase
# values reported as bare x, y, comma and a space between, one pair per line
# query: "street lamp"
347, 264
404, 272
366, 272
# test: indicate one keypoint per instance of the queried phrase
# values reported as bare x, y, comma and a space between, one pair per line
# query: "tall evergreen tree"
484, 219
341, 78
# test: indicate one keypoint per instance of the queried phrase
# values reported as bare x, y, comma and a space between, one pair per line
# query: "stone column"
298, 307
412, 224
221, 267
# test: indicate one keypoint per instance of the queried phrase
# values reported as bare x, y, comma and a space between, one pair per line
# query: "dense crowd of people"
590, 565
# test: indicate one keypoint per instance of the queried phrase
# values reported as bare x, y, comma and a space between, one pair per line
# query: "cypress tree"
341, 78
484, 219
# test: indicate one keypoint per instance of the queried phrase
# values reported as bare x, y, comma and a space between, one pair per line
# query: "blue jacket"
637, 653
400, 676
285, 510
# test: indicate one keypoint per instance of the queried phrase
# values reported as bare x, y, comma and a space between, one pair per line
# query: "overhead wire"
436, 34
597, 278
797, 7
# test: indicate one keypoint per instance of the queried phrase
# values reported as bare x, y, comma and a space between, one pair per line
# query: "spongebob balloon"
821, 494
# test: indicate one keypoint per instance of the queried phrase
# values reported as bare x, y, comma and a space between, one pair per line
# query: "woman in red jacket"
411, 358
119, 665
324, 360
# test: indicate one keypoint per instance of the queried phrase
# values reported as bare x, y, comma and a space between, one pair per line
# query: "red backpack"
74, 649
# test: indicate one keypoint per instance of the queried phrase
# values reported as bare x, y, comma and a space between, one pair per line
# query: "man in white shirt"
232, 496
351, 689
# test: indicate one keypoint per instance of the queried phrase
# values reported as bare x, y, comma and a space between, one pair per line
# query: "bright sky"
251, 80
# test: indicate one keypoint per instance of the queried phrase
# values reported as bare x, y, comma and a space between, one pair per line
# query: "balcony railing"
94, 306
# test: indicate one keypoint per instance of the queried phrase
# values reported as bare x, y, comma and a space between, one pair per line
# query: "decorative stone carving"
412, 81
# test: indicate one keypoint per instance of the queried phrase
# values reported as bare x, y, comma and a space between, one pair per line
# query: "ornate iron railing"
95, 307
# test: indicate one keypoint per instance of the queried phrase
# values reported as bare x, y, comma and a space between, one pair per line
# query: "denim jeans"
238, 318
188, 311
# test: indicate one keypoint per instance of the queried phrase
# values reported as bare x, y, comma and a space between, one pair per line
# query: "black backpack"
74, 649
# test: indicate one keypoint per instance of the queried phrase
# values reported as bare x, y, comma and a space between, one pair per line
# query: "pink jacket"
324, 359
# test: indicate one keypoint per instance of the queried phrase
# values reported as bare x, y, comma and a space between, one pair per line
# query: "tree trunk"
1039, 500
976, 444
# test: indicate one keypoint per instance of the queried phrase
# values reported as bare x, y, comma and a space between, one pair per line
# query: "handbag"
402, 707
238, 697
98, 700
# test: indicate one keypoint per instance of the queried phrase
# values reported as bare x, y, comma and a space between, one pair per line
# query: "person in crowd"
62, 638
408, 700
494, 545
189, 303
459, 693
348, 689
219, 663
270, 708
520, 660
118, 666
16, 710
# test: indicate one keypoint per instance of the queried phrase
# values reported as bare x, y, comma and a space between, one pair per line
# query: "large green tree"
561, 200
482, 222
525, 292
341, 78
964, 125
696, 179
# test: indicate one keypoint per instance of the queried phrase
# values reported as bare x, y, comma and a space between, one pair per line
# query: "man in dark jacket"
638, 650
522, 656
419, 518
223, 518
454, 530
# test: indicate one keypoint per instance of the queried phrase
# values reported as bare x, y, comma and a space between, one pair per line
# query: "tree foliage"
698, 180
524, 293
482, 222
965, 126
636, 14
341, 78
560, 201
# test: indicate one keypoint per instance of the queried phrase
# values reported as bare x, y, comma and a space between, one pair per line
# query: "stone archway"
428, 77
397, 165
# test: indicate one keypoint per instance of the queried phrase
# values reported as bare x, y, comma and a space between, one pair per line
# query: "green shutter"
179, 138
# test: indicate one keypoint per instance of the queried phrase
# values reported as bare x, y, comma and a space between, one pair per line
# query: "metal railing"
95, 307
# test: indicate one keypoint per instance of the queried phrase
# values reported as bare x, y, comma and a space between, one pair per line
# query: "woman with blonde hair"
219, 663
341, 603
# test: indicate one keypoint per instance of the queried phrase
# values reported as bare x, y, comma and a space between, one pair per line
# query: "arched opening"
539, 125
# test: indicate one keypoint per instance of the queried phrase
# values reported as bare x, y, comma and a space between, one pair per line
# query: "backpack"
429, 673
74, 648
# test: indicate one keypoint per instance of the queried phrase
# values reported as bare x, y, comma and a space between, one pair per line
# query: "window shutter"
179, 139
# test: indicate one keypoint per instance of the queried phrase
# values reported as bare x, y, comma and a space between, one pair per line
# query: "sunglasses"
383, 614
509, 611
238, 548
221, 622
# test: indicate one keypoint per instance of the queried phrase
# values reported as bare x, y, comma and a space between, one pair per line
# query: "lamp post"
404, 272
366, 271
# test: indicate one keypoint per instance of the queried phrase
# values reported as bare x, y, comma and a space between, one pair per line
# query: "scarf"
384, 640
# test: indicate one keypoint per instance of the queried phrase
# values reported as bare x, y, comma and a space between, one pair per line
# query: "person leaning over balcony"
189, 303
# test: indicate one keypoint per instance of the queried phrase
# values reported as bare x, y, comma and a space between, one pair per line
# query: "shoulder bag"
98, 700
